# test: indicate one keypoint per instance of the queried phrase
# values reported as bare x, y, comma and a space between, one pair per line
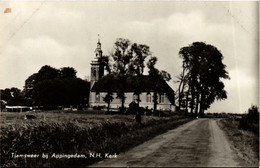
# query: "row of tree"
200, 80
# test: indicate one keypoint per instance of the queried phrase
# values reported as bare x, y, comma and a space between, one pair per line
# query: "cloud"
65, 34
31, 54
242, 91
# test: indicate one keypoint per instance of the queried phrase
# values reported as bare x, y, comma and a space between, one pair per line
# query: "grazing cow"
29, 117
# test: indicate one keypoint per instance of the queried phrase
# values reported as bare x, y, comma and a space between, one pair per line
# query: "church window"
148, 97
161, 98
97, 98
135, 97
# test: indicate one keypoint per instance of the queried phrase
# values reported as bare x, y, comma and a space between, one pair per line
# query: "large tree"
121, 56
45, 73
139, 53
200, 81
51, 87
108, 99
108, 85
129, 60
61, 92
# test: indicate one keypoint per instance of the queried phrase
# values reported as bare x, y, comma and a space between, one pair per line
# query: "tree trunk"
108, 107
202, 104
182, 92
187, 100
123, 103
192, 99
138, 100
197, 104
182, 83
154, 102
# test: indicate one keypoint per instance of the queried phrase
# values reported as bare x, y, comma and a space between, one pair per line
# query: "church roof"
144, 84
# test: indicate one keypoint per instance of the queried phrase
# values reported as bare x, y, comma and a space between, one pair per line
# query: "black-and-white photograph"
129, 83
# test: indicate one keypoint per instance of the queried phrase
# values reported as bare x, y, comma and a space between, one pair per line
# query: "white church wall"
97, 100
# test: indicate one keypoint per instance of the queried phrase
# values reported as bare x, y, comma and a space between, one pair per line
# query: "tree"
153, 74
129, 60
68, 72
52, 87
47, 72
250, 121
182, 84
139, 53
200, 80
121, 56
108, 85
28, 90
108, 99
12, 96
156, 76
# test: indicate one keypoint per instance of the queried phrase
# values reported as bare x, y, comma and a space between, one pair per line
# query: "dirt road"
198, 143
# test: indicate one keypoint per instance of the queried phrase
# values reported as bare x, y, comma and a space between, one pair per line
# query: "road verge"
244, 143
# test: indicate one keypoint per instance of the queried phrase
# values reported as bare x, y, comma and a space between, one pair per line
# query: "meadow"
244, 142
83, 118
70, 132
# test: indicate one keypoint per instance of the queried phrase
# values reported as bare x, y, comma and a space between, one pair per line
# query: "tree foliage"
108, 99
52, 87
200, 81
155, 76
250, 121
121, 56
109, 96
129, 59
67, 72
139, 53
11, 97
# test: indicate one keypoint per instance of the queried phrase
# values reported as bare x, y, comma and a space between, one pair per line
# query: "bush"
98, 107
133, 107
250, 121
161, 113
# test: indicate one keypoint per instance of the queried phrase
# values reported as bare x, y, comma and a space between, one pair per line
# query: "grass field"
84, 118
245, 143
72, 132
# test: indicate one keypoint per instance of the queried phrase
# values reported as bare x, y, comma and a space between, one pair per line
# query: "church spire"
98, 50
99, 39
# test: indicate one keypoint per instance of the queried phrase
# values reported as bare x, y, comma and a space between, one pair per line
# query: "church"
102, 83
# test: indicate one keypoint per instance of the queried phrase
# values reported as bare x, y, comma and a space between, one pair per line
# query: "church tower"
97, 67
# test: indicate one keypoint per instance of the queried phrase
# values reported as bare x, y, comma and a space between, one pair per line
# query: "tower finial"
98, 38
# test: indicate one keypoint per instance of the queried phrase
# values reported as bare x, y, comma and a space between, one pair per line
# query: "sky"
62, 34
